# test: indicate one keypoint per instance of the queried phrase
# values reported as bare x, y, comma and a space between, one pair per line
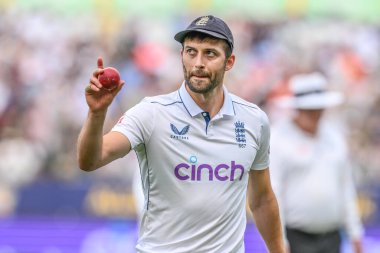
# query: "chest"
196, 149
321, 156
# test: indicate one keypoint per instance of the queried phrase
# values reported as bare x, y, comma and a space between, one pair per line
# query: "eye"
191, 52
210, 53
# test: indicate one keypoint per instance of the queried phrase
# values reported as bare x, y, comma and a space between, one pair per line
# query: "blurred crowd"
46, 62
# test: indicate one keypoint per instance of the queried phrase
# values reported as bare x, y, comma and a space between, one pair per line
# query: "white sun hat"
310, 91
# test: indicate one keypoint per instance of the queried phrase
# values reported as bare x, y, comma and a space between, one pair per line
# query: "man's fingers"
95, 81
100, 62
97, 72
91, 87
88, 88
118, 88
94, 85
122, 82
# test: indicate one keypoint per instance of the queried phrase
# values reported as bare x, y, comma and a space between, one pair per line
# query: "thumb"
121, 84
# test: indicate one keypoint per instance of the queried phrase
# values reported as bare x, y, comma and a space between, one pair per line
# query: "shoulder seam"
156, 102
250, 106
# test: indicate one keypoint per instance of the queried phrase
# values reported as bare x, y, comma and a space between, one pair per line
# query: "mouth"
198, 76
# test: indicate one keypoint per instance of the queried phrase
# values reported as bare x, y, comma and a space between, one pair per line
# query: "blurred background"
48, 50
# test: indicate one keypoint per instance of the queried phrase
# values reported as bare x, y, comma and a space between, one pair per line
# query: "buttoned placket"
207, 118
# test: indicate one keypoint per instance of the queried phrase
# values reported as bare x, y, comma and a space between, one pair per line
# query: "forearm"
266, 215
353, 224
90, 141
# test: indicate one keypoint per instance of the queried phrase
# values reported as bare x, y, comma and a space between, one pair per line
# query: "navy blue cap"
210, 25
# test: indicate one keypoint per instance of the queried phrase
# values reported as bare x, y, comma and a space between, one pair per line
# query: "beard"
208, 82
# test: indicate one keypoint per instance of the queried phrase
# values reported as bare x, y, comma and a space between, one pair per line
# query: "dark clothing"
303, 242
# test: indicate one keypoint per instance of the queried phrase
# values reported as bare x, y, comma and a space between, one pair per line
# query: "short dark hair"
203, 36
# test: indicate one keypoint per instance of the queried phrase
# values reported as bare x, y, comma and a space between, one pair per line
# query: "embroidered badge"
202, 21
240, 134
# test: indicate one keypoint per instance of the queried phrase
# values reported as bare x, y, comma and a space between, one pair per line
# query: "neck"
307, 125
308, 120
211, 101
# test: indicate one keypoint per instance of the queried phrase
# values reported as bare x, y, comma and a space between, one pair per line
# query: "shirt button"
204, 114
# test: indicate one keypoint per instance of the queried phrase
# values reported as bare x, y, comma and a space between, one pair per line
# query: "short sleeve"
137, 123
261, 160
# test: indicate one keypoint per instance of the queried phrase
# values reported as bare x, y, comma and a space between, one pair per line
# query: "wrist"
279, 248
97, 113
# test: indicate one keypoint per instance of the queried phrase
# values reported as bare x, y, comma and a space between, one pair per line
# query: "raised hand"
98, 98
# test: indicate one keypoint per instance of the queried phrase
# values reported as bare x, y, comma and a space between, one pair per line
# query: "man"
200, 148
311, 174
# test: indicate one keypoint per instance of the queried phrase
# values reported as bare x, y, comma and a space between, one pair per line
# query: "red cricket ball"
110, 78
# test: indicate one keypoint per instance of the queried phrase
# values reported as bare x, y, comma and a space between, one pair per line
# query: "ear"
230, 62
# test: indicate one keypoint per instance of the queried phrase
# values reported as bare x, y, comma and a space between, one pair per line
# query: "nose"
199, 64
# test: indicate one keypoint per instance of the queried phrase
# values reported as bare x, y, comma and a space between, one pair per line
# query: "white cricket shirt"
312, 178
195, 170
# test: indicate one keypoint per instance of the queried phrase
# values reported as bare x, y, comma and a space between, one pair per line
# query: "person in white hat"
311, 173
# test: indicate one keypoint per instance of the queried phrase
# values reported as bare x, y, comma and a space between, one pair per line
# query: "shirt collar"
194, 109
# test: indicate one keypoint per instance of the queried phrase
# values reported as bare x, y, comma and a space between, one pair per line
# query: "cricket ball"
110, 78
